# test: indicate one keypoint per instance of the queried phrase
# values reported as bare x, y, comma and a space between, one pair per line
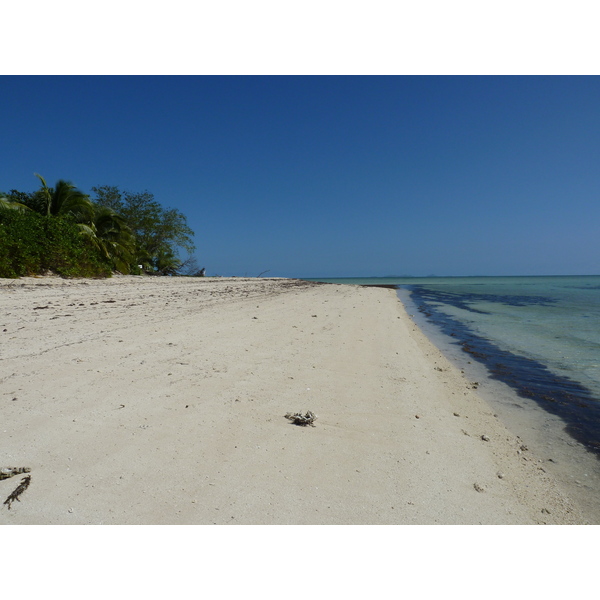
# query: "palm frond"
6, 204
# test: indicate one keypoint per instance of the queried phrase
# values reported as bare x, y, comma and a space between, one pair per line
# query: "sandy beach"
141, 400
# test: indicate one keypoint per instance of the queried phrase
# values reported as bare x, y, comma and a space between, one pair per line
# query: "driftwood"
18, 491
299, 419
6, 472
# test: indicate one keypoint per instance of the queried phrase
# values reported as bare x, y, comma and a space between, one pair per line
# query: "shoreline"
568, 459
165, 403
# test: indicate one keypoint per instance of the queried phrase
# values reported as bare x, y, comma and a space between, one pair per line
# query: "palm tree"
109, 233
65, 199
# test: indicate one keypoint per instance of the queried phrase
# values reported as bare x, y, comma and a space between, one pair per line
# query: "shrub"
21, 240
69, 254
32, 244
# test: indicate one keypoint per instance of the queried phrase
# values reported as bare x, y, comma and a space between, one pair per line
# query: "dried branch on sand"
18, 491
300, 419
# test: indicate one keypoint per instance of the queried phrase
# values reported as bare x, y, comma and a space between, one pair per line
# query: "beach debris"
302, 419
478, 488
6, 472
18, 491
456, 414
500, 475
485, 438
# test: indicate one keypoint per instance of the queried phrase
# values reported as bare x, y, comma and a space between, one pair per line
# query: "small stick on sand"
18, 491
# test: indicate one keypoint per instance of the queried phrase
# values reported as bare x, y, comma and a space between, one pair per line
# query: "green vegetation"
157, 231
31, 244
64, 231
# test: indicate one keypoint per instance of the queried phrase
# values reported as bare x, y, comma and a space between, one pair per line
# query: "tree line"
63, 230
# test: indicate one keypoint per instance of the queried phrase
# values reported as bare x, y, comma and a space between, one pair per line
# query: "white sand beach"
141, 400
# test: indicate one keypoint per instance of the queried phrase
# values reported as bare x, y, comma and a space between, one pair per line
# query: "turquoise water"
541, 335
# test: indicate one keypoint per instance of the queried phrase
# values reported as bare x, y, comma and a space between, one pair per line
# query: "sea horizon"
346, 277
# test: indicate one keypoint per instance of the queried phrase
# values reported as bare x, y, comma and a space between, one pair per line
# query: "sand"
140, 400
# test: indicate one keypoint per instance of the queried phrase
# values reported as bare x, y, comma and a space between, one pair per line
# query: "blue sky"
332, 175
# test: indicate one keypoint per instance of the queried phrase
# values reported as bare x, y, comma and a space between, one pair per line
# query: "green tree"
160, 232
166, 263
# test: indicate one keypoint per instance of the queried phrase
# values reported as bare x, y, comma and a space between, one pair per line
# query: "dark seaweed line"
558, 395
464, 301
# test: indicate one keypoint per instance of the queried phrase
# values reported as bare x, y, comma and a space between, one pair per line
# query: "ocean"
537, 337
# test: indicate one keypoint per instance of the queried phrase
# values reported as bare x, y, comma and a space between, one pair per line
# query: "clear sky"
332, 175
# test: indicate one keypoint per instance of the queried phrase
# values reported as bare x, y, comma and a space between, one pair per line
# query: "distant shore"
142, 400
